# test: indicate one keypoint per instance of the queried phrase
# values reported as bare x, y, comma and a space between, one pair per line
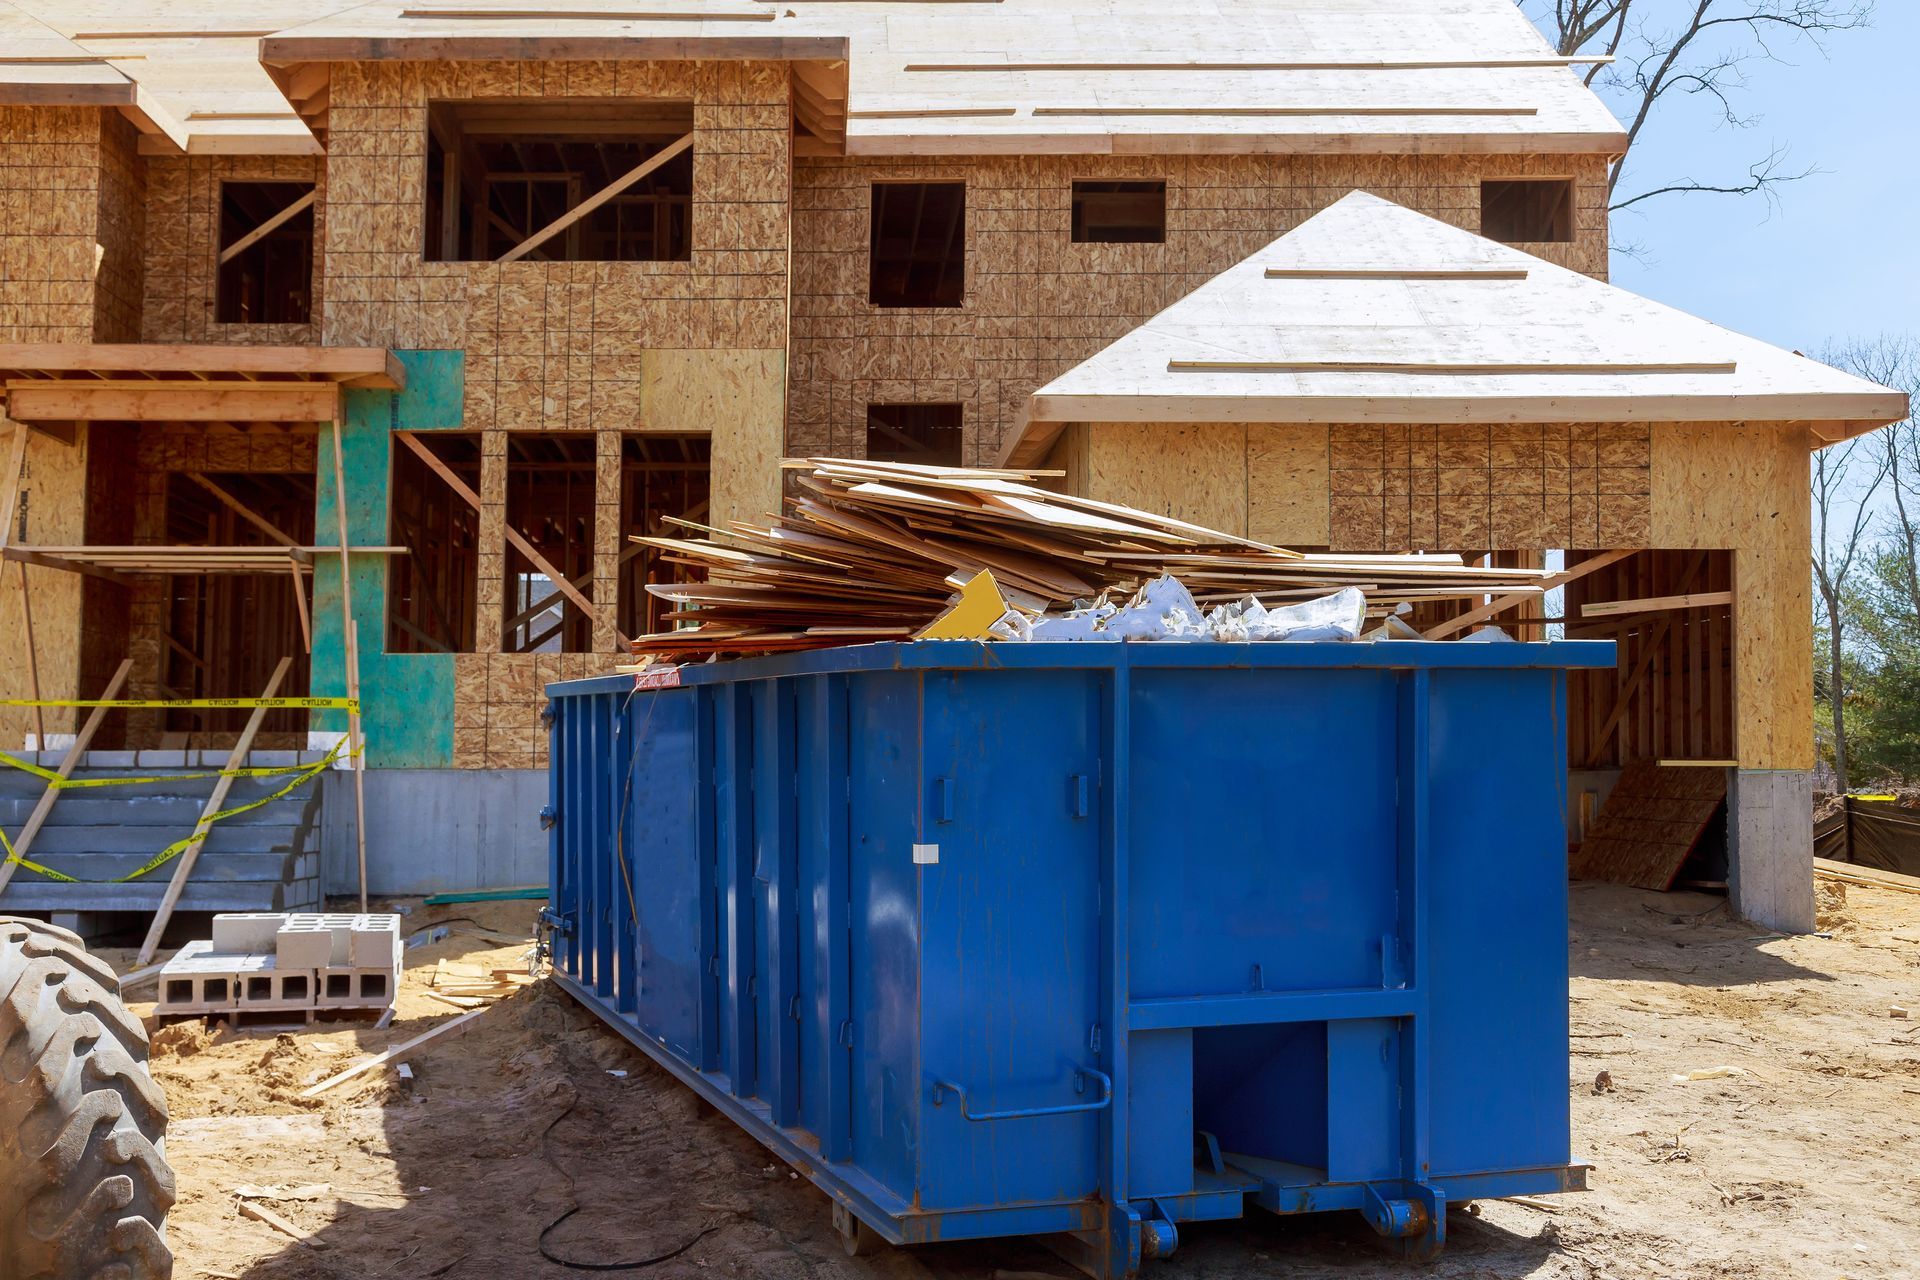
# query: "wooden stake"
300, 603
349, 637
33, 662
38, 817
183, 866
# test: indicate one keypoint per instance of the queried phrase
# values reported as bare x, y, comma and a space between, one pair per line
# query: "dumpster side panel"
821, 829
660, 797
1263, 830
1011, 911
883, 718
1497, 912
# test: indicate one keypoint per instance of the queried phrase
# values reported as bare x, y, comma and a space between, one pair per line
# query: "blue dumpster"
1086, 941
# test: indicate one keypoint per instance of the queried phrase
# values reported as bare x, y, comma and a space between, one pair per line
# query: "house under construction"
362, 338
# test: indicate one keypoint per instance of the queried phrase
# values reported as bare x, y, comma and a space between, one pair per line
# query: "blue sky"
1840, 254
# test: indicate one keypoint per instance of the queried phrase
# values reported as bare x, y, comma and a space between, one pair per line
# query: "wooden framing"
157, 401
598, 198
540, 563
183, 863
350, 638
267, 228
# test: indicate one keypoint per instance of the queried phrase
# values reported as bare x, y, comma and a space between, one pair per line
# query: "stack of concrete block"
356, 958
280, 962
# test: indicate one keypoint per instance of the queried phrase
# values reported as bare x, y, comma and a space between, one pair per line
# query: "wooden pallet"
1651, 822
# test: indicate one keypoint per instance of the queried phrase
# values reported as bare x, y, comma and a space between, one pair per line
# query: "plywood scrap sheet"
871, 551
1649, 825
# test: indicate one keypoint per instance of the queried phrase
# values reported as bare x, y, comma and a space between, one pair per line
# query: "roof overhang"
300, 60
135, 382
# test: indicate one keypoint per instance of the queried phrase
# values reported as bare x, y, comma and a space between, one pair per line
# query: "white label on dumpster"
926, 854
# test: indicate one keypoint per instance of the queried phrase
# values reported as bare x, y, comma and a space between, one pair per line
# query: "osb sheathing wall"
63, 171
49, 513
49, 209
1037, 304
1740, 487
611, 347
121, 232
183, 247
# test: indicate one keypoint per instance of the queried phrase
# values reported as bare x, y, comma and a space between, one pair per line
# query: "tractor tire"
84, 1182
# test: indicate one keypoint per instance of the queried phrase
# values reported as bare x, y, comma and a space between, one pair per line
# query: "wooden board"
1649, 824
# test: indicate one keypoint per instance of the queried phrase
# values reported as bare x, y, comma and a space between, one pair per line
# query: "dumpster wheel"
856, 1237
84, 1182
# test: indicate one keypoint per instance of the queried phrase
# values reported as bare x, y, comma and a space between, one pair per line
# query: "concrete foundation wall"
1770, 840
437, 830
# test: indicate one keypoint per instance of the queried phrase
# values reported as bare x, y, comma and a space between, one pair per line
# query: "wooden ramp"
1649, 824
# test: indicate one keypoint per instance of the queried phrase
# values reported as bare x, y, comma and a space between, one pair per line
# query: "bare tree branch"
1696, 48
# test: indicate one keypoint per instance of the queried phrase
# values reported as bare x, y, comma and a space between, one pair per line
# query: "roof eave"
1874, 408
287, 49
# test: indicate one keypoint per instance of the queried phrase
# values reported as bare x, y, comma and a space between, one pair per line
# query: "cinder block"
260, 983
199, 980
247, 931
303, 943
375, 942
339, 930
350, 988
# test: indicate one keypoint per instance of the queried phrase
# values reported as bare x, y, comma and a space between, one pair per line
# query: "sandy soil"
1801, 1164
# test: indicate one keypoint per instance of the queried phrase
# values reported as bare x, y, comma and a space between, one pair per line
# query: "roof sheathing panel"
1381, 314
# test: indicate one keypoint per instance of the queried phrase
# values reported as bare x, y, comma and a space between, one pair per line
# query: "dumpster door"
1010, 908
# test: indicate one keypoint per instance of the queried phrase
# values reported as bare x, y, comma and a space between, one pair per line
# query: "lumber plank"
398, 1053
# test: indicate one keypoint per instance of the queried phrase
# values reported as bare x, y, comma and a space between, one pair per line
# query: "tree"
1699, 48
1843, 475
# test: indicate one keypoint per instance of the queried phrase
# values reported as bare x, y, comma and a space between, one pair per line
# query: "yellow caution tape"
1852, 796
58, 783
313, 704
200, 831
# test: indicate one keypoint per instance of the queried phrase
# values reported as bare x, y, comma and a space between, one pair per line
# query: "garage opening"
576, 181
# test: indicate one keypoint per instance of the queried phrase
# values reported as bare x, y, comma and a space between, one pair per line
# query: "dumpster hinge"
793, 1008
713, 966
1093, 1038
846, 1033
548, 816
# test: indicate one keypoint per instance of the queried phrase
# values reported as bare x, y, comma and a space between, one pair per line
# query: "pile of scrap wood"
874, 550
470, 986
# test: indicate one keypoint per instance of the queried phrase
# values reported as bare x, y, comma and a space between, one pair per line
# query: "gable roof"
1370, 312
930, 77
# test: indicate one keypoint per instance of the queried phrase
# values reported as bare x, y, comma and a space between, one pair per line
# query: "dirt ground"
1801, 1162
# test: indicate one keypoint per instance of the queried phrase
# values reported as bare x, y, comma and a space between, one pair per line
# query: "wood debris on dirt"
873, 551
469, 986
